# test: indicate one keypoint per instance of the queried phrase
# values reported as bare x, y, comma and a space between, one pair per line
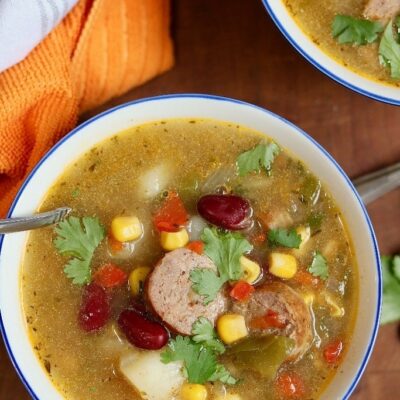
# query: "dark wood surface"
232, 48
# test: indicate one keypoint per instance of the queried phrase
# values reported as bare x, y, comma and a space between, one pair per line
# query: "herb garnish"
357, 31
225, 250
284, 237
389, 51
79, 238
257, 158
199, 354
391, 289
319, 266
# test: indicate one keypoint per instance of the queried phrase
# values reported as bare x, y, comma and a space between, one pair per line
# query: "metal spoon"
370, 187
19, 224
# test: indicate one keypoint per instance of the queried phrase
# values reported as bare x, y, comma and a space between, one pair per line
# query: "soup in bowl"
214, 251
353, 42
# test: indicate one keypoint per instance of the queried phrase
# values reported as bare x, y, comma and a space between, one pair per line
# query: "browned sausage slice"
170, 293
291, 309
381, 9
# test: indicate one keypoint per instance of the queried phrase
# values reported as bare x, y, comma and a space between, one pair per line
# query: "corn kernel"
335, 309
251, 269
125, 229
193, 391
282, 265
305, 234
308, 298
136, 279
231, 327
174, 240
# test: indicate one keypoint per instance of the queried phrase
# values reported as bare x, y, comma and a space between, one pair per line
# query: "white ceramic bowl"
313, 53
175, 106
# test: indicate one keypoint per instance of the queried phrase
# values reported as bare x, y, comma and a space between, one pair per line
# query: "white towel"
25, 23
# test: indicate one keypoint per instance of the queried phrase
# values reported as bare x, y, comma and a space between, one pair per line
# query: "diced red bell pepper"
109, 276
290, 385
197, 246
332, 351
115, 245
270, 320
172, 215
241, 291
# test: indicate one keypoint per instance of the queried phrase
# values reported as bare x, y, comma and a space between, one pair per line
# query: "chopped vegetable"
289, 385
79, 238
389, 51
284, 237
305, 233
137, 278
172, 215
114, 244
231, 328
305, 278
193, 391
332, 351
199, 354
125, 229
336, 309
282, 265
319, 266
174, 240
270, 320
197, 246
310, 190
204, 332
391, 289
109, 276
225, 250
315, 220
154, 181
347, 29
263, 355
257, 158
241, 291
251, 270
152, 378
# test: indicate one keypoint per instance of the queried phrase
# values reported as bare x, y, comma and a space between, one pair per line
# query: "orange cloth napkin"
101, 49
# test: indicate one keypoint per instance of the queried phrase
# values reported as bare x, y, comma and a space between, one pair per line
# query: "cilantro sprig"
284, 237
261, 156
319, 266
78, 238
225, 250
199, 354
347, 29
391, 289
389, 50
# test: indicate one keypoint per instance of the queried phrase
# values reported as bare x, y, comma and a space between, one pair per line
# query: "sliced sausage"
381, 9
291, 310
169, 291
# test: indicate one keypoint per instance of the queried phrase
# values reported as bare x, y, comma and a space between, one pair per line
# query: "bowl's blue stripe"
327, 72
225, 99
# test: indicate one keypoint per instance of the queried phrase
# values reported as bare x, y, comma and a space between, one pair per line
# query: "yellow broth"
315, 19
105, 182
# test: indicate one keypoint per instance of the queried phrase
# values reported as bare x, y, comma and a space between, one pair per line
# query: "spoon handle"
374, 185
19, 224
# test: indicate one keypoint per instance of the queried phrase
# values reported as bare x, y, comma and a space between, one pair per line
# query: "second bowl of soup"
214, 251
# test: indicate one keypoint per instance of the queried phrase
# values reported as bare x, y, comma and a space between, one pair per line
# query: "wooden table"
232, 48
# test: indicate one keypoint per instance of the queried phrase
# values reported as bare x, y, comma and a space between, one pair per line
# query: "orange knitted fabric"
101, 49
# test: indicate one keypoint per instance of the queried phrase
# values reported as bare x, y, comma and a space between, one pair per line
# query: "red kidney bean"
226, 211
142, 332
95, 308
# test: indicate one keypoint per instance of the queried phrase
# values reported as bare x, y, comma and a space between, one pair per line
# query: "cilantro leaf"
225, 249
391, 289
389, 51
319, 266
206, 283
352, 30
204, 332
223, 375
259, 157
78, 238
284, 237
